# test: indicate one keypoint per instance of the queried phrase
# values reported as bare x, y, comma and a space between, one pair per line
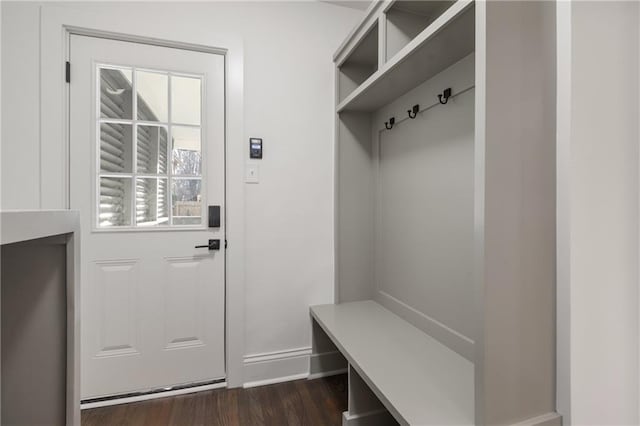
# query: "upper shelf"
360, 65
408, 18
449, 38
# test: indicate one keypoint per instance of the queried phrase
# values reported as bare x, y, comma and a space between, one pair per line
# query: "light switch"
252, 173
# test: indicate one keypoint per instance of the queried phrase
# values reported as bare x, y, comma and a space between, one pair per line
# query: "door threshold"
152, 394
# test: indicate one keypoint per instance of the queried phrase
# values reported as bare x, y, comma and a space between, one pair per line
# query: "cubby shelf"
449, 38
360, 65
405, 19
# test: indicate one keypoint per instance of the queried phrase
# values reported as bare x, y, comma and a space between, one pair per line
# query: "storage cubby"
407, 19
442, 44
360, 65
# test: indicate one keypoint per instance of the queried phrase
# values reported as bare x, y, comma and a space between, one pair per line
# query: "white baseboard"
549, 419
147, 397
276, 367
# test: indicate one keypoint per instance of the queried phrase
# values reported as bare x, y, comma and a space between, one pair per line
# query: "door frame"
54, 91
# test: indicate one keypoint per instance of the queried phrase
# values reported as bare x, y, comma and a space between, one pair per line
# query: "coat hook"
414, 110
446, 95
389, 124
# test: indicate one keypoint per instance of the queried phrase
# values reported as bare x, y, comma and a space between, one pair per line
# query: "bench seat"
417, 379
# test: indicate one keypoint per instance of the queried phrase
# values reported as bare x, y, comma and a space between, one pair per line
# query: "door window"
150, 164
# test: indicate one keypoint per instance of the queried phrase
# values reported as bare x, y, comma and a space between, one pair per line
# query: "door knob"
213, 245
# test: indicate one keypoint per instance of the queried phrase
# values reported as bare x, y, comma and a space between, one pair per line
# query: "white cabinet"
448, 219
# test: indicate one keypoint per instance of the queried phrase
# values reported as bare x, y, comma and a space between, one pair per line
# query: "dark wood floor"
303, 402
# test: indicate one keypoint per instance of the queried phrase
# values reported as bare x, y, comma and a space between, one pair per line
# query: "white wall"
20, 107
289, 99
598, 87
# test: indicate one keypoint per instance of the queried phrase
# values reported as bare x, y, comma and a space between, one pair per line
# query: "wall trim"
109, 35
549, 419
637, 378
434, 328
268, 368
276, 367
270, 356
563, 203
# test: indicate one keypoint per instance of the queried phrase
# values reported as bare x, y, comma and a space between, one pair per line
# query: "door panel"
147, 157
183, 292
116, 284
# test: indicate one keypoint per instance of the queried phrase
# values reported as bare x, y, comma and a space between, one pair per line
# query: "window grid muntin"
134, 175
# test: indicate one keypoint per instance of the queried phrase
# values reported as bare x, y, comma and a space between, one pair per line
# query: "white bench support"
365, 409
326, 359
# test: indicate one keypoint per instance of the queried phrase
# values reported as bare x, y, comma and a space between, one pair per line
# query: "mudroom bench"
396, 372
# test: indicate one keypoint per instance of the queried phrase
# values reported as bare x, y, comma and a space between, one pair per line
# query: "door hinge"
67, 72
225, 244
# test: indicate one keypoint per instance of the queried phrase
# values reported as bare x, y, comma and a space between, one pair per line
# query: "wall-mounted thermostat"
255, 148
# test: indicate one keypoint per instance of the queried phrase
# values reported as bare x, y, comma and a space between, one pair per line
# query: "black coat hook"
445, 95
389, 124
414, 110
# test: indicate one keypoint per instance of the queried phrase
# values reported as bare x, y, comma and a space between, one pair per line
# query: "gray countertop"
24, 225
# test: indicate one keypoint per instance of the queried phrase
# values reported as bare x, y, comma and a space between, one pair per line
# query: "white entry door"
146, 161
